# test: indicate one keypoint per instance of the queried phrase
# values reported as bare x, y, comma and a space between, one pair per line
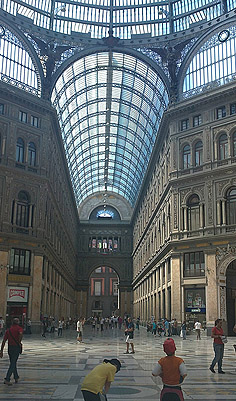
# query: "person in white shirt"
1, 326
80, 330
198, 326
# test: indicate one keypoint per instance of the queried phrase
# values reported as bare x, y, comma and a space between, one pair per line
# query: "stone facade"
168, 229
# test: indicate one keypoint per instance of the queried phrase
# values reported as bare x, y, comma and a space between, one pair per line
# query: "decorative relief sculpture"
223, 314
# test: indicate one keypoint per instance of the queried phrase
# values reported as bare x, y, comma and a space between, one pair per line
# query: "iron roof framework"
110, 106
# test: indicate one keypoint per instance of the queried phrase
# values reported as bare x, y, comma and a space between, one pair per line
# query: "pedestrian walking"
129, 331
99, 380
198, 326
173, 371
14, 337
218, 345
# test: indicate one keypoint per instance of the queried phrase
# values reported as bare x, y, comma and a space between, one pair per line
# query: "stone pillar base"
36, 327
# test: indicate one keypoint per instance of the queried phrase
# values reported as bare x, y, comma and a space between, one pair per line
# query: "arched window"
193, 205
231, 206
20, 150
186, 156
234, 144
22, 210
198, 153
32, 154
223, 147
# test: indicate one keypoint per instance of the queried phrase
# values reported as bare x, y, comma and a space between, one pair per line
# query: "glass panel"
119, 129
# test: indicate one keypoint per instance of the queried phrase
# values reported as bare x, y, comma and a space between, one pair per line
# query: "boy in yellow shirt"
100, 377
172, 370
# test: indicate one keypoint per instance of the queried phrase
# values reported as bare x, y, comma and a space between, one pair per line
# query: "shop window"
194, 264
23, 116
198, 153
233, 108
193, 205
32, 154
231, 206
20, 262
197, 120
1, 108
223, 147
221, 112
195, 301
186, 156
20, 146
184, 124
34, 121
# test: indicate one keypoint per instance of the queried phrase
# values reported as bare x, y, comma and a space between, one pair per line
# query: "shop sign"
17, 294
196, 310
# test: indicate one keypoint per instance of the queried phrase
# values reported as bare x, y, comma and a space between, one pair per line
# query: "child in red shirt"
172, 370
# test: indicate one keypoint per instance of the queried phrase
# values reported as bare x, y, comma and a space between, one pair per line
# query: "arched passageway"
231, 296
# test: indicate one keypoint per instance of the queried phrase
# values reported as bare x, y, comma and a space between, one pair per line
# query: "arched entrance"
103, 293
231, 296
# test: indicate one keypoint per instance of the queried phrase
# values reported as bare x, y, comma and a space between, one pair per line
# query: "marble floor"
53, 368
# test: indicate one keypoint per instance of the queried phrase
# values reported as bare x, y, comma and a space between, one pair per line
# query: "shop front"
17, 304
195, 307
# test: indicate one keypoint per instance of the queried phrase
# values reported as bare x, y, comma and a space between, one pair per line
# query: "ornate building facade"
118, 149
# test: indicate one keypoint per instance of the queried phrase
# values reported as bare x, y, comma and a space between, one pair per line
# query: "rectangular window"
197, 120
233, 108
194, 264
184, 124
23, 116
221, 112
97, 288
115, 288
20, 261
1, 108
34, 121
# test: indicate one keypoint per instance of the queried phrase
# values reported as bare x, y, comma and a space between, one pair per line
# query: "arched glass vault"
124, 17
109, 106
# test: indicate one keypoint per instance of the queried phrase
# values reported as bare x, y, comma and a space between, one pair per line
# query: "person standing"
28, 326
1, 326
130, 336
14, 337
99, 379
198, 326
45, 327
172, 370
154, 328
184, 330
80, 330
60, 327
218, 345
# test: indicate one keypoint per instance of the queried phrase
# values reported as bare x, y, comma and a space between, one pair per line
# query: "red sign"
16, 293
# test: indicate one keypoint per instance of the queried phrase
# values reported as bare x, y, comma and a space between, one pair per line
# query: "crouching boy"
172, 370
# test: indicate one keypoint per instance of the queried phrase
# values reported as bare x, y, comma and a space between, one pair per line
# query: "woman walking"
218, 345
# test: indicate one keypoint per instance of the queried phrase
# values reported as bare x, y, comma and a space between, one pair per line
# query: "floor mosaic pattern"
53, 368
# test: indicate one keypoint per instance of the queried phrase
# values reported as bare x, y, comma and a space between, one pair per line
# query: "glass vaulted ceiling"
123, 17
109, 106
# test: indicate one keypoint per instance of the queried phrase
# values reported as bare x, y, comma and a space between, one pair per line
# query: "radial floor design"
53, 368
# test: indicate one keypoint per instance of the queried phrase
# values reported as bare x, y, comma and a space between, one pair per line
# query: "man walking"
14, 337
129, 331
198, 327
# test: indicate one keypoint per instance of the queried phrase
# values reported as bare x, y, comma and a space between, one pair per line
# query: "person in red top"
218, 345
14, 337
172, 370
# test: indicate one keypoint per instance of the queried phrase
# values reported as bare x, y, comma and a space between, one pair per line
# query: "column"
176, 287
201, 216
218, 205
212, 296
3, 283
223, 212
36, 293
185, 214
